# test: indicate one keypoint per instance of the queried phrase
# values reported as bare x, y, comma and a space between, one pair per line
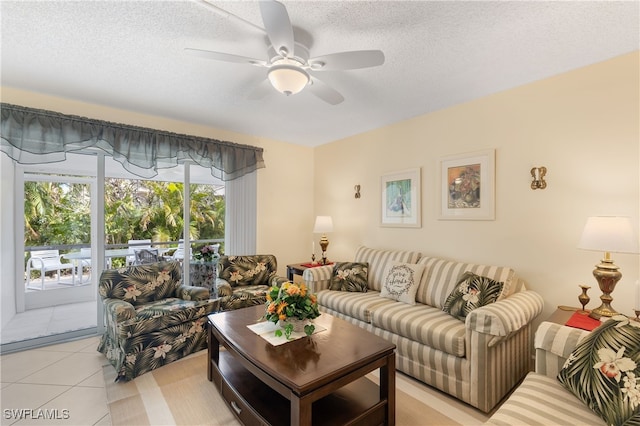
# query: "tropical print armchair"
150, 318
245, 280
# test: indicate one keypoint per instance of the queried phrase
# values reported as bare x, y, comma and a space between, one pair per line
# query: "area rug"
180, 394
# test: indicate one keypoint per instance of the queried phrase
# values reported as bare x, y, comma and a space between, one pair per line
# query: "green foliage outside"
60, 213
56, 213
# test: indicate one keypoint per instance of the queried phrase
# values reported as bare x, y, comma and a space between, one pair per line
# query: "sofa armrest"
554, 343
223, 287
506, 316
118, 309
191, 292
317, 278
277, 280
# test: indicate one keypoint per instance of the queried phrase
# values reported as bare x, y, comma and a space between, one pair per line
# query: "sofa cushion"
247, 270
378, 259
354, 304
349, 276
441, 277
603, 371
472, 292
401, 282
423, 324
243, 296
162, 314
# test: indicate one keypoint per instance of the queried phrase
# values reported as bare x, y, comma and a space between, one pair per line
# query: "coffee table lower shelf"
255, 403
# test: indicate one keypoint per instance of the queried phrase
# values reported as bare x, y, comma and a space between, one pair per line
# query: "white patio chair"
137, 245
216, 248
179, 253
145, 255
45, 261
84, 263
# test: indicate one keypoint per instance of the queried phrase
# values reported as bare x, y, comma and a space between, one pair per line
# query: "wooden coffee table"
316, 380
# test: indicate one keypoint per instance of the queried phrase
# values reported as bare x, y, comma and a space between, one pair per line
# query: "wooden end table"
562, 314
317, 379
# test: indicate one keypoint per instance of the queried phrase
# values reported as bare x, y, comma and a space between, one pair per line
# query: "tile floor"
56, 384
36, 323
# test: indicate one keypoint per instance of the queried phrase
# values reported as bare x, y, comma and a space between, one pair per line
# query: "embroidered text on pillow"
401, 282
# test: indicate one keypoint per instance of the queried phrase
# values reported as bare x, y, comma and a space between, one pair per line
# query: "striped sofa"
541, 399
477, 361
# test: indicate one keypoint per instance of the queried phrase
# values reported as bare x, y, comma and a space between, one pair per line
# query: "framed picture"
468, 186
400, 200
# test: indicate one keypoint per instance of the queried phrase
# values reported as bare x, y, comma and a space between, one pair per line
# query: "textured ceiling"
130, 55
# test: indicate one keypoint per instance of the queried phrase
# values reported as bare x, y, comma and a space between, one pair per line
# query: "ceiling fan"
290, 69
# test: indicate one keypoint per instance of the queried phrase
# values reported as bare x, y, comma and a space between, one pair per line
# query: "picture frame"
467, 186
400, 199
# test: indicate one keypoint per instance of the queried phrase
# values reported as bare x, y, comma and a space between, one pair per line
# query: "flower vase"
298, 324
584, 298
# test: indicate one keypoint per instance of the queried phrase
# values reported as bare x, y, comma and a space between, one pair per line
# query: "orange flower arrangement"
291, 301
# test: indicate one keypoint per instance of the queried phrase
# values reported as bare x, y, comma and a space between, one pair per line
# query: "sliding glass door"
79, 216
57, 223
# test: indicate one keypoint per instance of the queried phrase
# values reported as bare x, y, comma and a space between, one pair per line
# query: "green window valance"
32, 136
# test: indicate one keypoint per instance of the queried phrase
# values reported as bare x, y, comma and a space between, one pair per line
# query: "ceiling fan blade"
227, 15
278, 26
347, 60
325, 92
261, 90
226, 57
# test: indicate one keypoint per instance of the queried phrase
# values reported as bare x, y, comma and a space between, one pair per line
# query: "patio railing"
76, 275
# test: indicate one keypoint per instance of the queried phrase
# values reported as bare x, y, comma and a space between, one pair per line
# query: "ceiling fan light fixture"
288, 79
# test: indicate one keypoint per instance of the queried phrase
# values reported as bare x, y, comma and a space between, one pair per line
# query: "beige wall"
583, 126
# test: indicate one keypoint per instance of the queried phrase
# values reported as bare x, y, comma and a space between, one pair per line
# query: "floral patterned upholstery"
245, 280
151, 319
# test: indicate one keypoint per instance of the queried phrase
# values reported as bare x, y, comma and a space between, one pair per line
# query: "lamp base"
607, 275
603, 310
324, 243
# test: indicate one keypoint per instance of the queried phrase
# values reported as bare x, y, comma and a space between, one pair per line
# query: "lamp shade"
612, 234
323, 224
288, 79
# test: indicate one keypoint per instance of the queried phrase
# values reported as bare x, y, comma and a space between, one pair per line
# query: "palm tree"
154, 210
59, 213
56, 213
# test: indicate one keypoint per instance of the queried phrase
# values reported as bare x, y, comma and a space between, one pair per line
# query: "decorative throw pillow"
603, 371
401, 282
349, 276
471, 292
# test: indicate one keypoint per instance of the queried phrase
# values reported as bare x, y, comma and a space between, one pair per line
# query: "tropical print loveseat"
150, 318
245, 280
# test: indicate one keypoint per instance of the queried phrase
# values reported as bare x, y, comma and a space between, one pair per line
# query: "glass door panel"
57, 235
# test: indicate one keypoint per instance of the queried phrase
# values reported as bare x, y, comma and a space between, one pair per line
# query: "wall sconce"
357, 189
538, 178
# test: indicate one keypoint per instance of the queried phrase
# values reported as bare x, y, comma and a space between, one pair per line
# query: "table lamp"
609, 234
323, 225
